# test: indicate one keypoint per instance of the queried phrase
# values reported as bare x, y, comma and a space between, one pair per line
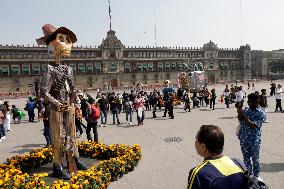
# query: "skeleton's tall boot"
59, 173
80, 164
57, 165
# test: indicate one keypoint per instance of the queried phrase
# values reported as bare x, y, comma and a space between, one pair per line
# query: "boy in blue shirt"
251, 119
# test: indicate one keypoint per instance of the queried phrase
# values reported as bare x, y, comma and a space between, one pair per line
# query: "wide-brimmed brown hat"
49, 32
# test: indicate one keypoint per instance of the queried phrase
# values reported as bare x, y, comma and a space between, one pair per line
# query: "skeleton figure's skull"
62, 45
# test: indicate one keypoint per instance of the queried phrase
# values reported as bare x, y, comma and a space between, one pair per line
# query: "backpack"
96, 112
251, 181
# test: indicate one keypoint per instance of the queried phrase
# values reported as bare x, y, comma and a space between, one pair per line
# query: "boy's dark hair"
213, 138
253, 96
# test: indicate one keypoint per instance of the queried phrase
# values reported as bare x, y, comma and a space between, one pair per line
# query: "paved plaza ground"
165, 165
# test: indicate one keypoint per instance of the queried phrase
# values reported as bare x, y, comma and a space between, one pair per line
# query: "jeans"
90, 126
128, 113
264, 111
115, 115
171, 110
2, 131
212, 103
227, 101
104, 117
31, 115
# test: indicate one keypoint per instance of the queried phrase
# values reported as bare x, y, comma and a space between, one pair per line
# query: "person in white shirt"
239, 95
278, 97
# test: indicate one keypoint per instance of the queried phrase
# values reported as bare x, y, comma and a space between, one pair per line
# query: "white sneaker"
105, 125
260, 179
101, 125
130, 123
266, 121
3, 138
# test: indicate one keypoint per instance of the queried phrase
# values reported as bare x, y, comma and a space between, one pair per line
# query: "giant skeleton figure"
58, 89
183, 81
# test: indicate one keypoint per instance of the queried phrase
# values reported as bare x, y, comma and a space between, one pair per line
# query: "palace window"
237, 65
168, 66
226, 66
15, 70
35, 70
81, 68
98, 67
4, 71
248, 66
221, 66
139, 67
211, 65
160, 66
127, 67
180, 66
145, 66
174, 66
73, 66
43, 68
26, 70
112, 67
90, 68
150, 66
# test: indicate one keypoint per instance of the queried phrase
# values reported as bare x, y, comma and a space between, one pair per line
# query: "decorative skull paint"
62, 45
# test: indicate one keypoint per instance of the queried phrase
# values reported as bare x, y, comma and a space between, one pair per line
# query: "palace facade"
268, 64
114, 65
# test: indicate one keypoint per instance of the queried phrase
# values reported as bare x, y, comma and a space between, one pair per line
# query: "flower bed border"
117, 159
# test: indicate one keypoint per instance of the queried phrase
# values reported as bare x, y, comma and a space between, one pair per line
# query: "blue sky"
189, 23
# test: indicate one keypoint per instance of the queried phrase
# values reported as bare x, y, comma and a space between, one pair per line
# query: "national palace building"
112, 64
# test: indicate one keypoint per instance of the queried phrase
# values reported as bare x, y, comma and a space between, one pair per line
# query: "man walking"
278, 97
263, 103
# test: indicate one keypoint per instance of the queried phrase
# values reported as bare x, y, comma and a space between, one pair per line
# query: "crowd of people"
95, 111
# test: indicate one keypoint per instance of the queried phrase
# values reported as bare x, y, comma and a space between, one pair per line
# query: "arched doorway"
114, 83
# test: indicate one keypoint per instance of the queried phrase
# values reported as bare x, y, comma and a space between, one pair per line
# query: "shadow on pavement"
204, 110
30, 146
220, 108
227, 118
21, 151
128, 126
26, 148
272, 167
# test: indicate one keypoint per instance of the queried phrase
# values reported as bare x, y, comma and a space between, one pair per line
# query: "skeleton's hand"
63, 107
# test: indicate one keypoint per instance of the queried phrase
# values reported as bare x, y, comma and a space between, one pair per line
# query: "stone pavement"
166, 164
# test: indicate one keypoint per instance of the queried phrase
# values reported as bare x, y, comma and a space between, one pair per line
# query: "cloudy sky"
190, 23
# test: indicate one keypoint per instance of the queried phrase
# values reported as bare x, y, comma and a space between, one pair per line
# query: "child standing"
251, 119
128, 105
213, 97
46, 129
78, 120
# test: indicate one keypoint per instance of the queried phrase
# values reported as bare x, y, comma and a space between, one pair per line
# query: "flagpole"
109, 12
